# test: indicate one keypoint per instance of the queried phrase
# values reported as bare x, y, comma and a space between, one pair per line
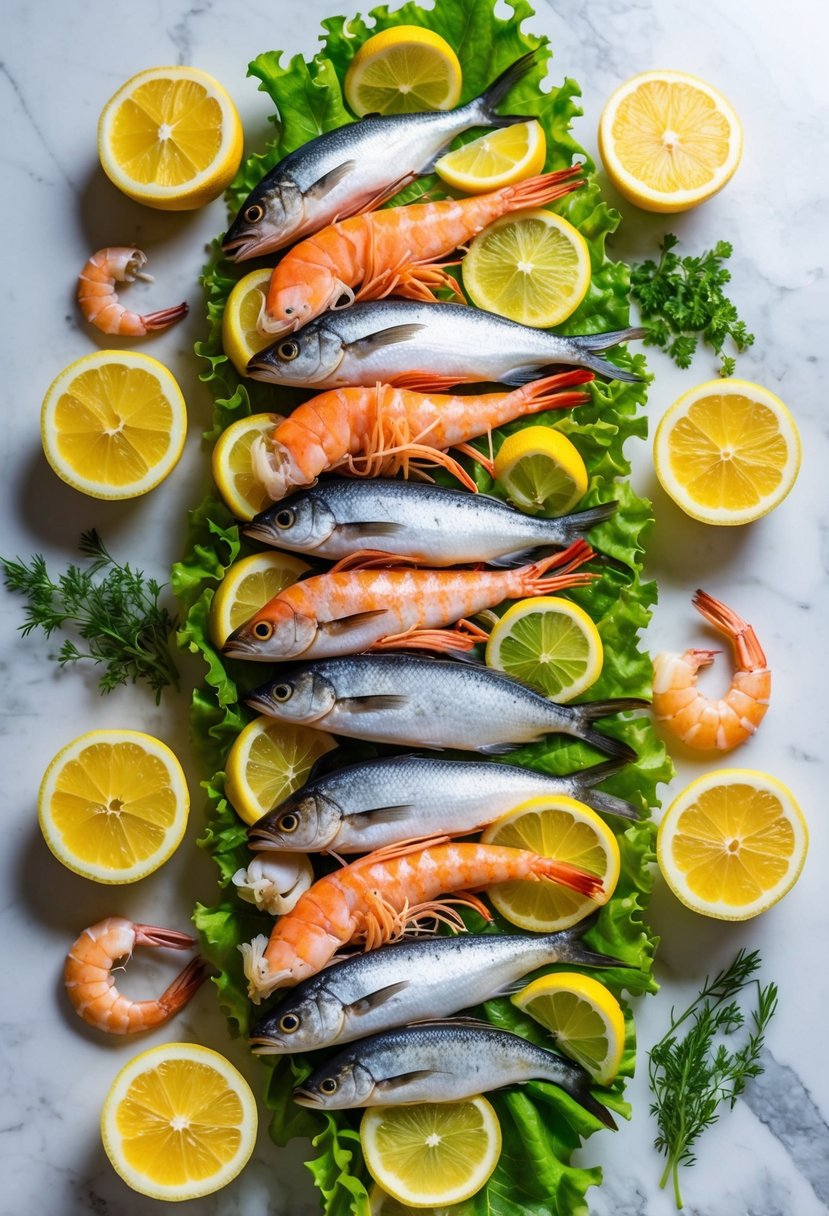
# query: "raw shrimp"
101, 306
91, 988
369, 432
702, 722
387, 251
379, 897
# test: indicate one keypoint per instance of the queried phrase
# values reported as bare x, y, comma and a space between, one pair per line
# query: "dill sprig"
690, 1077
683, 298
118, 616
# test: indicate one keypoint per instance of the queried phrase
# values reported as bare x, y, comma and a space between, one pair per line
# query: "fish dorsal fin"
375, 999
395, 334
403, 848
329, 180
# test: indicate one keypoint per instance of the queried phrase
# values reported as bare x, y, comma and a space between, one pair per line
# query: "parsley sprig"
118, 616
691, 1076
682, 299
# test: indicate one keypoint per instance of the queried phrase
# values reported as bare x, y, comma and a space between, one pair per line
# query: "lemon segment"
113, 424
268, 761
569, 831
243, 494
178, 1122
113, 805
247, 586
403, 70
532, 267
727, 452
170, 138
241, 340
584, 1018
500, 158
541, 471
732, 843
548, 642
669, 141
432, 1153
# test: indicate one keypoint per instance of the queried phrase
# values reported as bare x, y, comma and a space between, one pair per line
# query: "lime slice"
550, 643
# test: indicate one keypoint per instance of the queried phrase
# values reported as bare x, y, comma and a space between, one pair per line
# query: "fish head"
270, 217
302, 522
303, 1022
306, 822
337, 1085
277, 631
303, 696
307, 357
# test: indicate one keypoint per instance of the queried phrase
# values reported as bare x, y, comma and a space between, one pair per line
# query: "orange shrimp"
369, 432
386, 251
99, 303
702, 722
351, 610
381, 896
90, 987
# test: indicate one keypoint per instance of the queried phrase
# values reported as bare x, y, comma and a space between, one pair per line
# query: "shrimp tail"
545, 188
590, 711
565, 562
184, 986
749, 652
484, 107
546, 394
165, 316
588, 344
170, 939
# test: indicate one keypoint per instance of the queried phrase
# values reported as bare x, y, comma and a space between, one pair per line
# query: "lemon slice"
113, 424
569, 831
241, 340
179, 1122
401, 71
732, 843
243, 494
499, 158
548, 642
433, 1152
171, 138
268, 761
113, 805
247, 587
584, 1018
382, 1204
533, 267
541, 471
669, 140
727, 452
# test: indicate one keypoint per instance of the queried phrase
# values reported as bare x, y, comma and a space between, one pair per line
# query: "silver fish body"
411, 981
439, 1062
432, 524
356, 166
434, 703
380, 802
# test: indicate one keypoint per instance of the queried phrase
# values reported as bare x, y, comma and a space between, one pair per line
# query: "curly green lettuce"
541, 1125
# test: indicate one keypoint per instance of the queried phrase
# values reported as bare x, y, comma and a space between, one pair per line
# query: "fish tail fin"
586, 346
535, 580
590, 711
545, 188
571, 527
485, 105
577, 1086
568, 876
567, 947
600, 800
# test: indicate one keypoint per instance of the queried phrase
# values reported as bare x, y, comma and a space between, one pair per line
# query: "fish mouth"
242, 648
260, 530
266, 1045
245, 245
263, 838
306, 1097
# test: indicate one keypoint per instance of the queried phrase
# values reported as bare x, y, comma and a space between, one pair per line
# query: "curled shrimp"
702, 722
101, 306
90, 987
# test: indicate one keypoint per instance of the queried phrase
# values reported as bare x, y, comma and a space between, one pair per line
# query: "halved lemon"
113, 424
732, 843
669, 140
532, 266
268, 761
584, 1018
569, 831
727, 452
247, 586
548, 642
383, 1204
241, 340
179, 1122
243, 494
171, 138
403, 70
541, 471
113, 805
433, 1152
499, 158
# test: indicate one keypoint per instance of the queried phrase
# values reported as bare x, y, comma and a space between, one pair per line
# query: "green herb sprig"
118, 616
690, 1077
681, 298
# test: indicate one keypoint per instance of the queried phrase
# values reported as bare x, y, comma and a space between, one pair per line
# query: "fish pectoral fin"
423, 382
389, 1084
375, 999
380, 814
465, 1023
343, 625
387, 192
327, 182
380, 527
497, 749
374, 702
395, 334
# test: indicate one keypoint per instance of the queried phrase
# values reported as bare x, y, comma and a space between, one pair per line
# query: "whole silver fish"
432, 524
356, 167
411, 981
428, 347
439, 1062
380, 802
426, 702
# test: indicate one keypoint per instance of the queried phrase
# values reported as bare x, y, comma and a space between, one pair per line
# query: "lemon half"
499, 158
403, 70
541, 471
584, 1018
267, 761
241, 340
243, 494
549, 642
247, 586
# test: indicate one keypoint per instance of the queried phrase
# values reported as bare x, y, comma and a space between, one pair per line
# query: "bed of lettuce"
541, 1126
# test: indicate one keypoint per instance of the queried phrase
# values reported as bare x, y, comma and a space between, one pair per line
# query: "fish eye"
284, 518
282, 692
289, 822
288, 350
289, 312
329, 1085
254, 213
263, 630
289, 1022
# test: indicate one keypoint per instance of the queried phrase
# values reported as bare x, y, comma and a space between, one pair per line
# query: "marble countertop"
770, 1156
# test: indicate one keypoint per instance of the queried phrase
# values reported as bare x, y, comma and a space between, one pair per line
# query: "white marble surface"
770, 1157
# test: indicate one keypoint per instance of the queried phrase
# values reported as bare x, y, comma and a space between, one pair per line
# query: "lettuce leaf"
541, 1125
